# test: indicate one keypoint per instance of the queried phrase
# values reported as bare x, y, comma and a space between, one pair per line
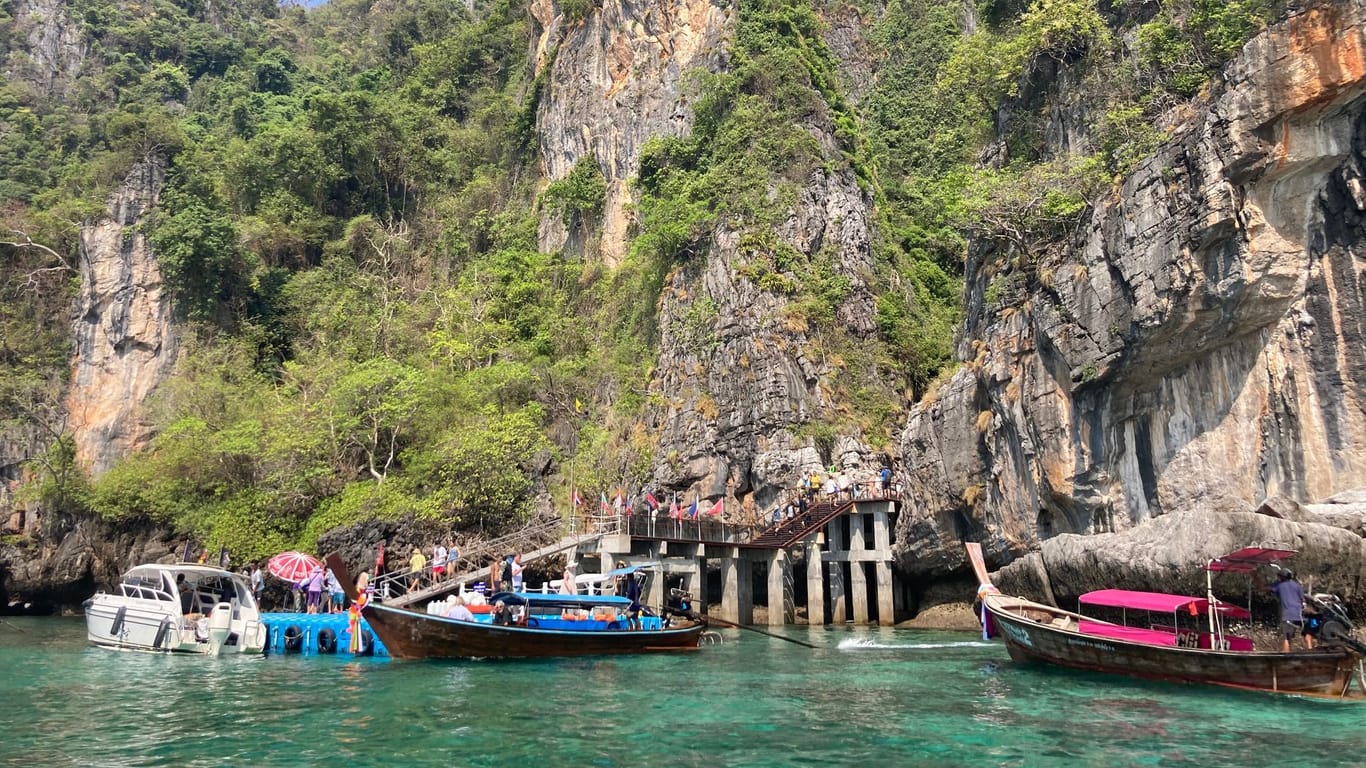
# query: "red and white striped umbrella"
292, 566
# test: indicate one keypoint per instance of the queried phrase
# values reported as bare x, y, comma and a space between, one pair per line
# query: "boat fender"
294, 639
367, 643
117, 626
614, 625
533, 622
162, 629
327, 641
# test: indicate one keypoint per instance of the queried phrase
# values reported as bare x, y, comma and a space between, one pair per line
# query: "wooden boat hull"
412, 635
1029, 636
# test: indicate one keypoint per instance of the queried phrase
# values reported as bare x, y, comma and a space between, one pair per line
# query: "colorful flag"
650, 499
692, 511
718, 507
673, 509
628, 507
578, 500
603, 501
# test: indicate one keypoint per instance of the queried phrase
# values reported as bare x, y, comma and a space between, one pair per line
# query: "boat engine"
1329, 622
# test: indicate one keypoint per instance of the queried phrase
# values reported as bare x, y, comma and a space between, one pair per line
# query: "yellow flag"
578, 406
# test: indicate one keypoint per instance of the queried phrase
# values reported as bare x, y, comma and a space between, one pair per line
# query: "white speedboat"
177, 609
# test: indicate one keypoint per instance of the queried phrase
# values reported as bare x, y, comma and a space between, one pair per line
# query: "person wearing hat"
1291, 596
415, 565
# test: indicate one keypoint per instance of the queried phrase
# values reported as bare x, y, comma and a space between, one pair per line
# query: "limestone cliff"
53, 45
734, 395
615, 79
126, 343
733, 378
1198, 347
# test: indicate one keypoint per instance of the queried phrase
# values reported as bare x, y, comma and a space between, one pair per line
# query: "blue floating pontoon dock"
317, 634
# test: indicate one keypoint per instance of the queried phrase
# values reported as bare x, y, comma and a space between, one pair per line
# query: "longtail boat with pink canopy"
1178, 638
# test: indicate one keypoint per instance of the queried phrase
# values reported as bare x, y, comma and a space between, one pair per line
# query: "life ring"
117, 626
294, 639
327, 641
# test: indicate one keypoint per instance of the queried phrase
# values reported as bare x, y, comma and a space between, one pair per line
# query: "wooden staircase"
785, 533
476, 559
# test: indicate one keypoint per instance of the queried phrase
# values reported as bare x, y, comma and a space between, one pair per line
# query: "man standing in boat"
632, 594
1291, 596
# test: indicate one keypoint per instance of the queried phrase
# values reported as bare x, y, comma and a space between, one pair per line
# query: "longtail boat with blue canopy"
1176, 638
529, 625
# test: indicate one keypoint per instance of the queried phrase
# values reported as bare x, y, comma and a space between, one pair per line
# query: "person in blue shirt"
1291, 596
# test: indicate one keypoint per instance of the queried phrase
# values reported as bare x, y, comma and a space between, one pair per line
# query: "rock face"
125, 341
1198, 349
734, 379
616, 79
53, 43
735, 392
125, 345
60, 571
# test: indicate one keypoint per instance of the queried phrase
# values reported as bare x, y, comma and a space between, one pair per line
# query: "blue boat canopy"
555, 600
634, 568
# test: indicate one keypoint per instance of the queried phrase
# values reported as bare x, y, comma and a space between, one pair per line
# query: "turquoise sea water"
864, 697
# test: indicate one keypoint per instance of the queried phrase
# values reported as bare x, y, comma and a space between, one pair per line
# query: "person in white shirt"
438, 563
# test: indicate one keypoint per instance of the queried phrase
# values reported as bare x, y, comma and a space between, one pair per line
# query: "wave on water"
864, 644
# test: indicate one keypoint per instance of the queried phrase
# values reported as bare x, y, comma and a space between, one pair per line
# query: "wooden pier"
842, 549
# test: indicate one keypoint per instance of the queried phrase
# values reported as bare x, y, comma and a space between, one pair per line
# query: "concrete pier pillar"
737, 591
697, 583
780, 604
815, 585
858, 579
886, 608
834, 558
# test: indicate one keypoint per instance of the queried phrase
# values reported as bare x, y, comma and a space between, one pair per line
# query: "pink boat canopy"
1249, 559
1160, 602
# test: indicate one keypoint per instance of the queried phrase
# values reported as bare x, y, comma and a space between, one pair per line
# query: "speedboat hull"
148, 612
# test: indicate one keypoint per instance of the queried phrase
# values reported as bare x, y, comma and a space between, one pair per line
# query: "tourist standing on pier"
334, 589
415, 565
452, 554
438, 563
315, 588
